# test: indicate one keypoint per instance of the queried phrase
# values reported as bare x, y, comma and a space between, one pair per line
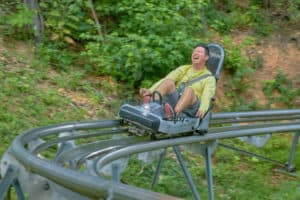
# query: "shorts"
189, 111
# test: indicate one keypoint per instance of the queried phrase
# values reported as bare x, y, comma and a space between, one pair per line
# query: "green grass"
32, 94
235, 176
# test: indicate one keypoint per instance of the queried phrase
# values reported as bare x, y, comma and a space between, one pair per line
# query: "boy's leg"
166, 87
187, 103
188, 98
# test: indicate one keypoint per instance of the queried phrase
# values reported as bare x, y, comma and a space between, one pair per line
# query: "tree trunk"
98, 26
267, 4
204, 22
38, 26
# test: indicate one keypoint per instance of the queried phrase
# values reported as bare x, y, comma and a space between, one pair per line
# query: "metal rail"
261, 113
130, 150
87, 185
91, 186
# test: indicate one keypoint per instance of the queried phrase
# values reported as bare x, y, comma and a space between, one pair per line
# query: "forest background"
90, 56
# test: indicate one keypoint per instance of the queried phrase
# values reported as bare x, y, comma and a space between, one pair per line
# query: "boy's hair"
203, 46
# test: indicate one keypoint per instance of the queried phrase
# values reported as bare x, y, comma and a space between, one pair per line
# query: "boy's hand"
144, 92
200, 114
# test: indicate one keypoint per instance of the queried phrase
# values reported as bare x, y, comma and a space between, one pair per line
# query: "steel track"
104, 142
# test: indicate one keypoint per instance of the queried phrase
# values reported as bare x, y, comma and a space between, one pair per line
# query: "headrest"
216, 59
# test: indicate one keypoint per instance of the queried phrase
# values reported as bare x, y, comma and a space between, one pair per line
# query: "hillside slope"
278, 53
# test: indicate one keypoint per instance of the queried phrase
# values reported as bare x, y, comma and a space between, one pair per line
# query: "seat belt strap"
183, 85
197, 79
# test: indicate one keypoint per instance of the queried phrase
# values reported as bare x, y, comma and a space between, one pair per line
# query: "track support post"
158, 168
290, 166
10, 180
186, 173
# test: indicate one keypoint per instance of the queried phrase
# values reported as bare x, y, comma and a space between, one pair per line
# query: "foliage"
139, 41
287, 9
65, 20
16, 19
225, 16
281, 90
260, 24
56, 55
239, 67
147, 46
236, 63
293, 11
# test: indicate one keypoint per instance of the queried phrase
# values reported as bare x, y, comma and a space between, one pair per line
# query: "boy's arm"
207, 94
174, 75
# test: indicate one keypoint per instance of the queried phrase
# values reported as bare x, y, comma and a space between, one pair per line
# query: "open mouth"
196, 58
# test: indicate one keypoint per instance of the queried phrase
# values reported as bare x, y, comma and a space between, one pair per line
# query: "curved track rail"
70, 160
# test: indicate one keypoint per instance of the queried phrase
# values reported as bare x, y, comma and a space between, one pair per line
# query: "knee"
189, 92
169, 83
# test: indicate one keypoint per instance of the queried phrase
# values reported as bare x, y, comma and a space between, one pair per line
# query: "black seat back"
215, 65
216, 59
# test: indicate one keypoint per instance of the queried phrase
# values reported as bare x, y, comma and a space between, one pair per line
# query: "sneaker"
169, 112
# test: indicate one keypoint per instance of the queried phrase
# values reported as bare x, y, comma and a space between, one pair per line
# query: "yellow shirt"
204, 89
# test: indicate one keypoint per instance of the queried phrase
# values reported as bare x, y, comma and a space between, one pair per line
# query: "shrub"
280, 90
16, 18
145, 39
237, 64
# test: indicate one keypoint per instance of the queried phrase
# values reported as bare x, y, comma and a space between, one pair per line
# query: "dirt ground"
278, 52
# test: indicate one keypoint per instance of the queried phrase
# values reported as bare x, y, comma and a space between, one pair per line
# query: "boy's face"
199, 56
